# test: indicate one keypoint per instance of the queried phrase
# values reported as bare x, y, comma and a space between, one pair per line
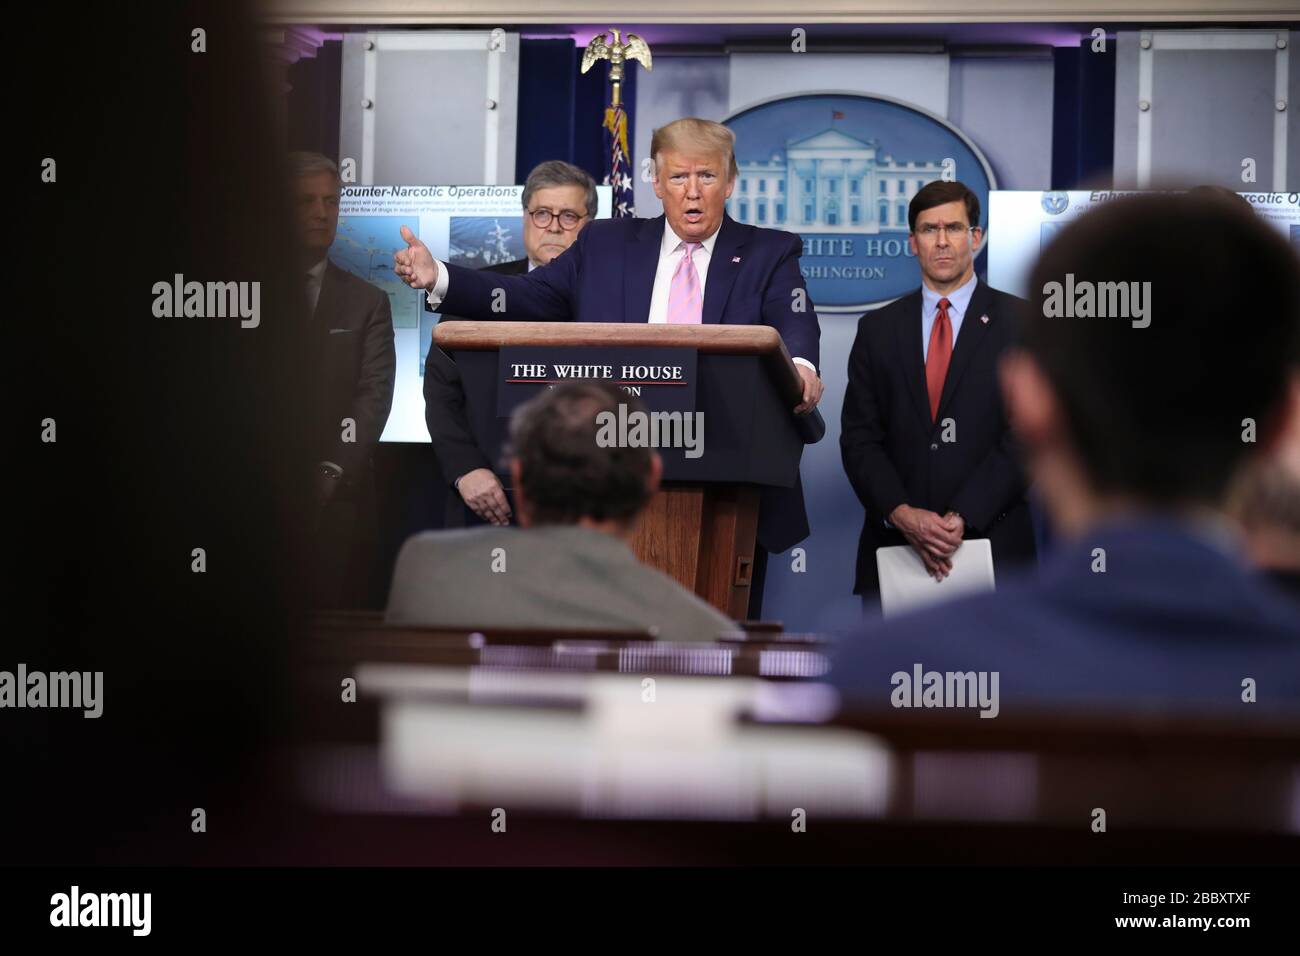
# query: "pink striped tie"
685, 303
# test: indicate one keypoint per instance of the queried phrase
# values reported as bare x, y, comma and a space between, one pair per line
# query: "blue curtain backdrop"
1083, 116
560, 109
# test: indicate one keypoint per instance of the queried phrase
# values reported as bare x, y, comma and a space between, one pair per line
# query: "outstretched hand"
415, 264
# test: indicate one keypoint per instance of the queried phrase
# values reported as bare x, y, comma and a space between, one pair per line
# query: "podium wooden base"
703, 535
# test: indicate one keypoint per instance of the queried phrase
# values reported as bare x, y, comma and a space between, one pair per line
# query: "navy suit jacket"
608, 275
1173, 621
895, 454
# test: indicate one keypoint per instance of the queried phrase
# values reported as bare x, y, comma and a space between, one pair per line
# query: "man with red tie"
924, 434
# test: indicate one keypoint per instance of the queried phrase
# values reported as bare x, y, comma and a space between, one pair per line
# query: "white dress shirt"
670, 254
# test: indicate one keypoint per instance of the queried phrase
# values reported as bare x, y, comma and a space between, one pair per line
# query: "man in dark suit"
353, 364
924, 435
692, 265
559, 199
1134, 424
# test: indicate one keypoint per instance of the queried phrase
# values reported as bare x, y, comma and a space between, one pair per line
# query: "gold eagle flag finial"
618, 53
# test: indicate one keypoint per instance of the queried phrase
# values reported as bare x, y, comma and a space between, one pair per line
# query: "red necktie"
938, 356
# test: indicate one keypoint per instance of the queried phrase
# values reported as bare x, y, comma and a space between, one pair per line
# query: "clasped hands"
933, 536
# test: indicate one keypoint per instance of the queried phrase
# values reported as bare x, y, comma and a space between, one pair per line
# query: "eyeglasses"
568, 218
953, 230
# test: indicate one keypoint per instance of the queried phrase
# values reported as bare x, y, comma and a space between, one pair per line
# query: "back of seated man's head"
563, 476
1155, 408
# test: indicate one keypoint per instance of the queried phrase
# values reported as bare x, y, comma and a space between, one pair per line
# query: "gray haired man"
559, 199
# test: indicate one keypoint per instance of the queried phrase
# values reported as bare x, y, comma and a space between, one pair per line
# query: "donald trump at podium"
692, 265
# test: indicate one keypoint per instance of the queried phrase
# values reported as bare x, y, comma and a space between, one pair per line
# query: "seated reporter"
569, 564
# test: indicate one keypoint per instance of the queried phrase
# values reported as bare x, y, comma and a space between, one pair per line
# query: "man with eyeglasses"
559, 199
924, 434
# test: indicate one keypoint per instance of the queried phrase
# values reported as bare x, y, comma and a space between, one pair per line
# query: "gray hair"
556, 172
309, 164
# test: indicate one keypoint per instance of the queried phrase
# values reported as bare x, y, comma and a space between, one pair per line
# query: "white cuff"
439, 290
804, 361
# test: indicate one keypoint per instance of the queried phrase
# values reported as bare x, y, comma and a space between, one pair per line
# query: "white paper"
905, 584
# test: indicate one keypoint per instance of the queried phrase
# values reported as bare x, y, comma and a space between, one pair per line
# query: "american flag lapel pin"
735, 258
984, 319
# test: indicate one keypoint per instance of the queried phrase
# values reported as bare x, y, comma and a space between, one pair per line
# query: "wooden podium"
701, 526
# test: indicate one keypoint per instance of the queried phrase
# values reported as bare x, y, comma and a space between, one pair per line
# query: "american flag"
619, 171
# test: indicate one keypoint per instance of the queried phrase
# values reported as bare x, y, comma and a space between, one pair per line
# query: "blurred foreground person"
1136, 409
570, 566
162, 516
